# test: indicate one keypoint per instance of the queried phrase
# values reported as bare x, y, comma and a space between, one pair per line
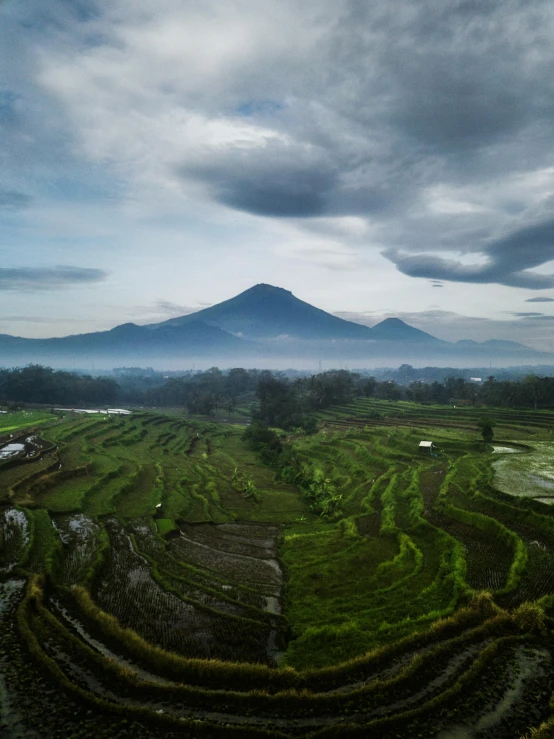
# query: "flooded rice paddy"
529, 474
14, 537
190, 618
27, 447
11, 450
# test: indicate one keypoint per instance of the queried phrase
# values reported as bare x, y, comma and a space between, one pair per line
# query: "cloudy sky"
376, 158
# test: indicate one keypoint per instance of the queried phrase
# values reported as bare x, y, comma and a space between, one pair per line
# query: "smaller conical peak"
125, 327
263, 287
392, 322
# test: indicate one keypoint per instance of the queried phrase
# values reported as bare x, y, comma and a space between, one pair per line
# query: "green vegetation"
37, 384
221, 580
486, 426
11, 423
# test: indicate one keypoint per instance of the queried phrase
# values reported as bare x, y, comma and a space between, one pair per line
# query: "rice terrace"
167, 576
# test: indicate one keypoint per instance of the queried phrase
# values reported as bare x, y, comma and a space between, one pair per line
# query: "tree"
388, 390
37, 384
486, 426
366, 386
531, 385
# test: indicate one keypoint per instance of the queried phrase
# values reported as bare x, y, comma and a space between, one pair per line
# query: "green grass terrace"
158, 579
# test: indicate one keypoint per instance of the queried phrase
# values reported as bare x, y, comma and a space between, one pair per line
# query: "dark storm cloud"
417, 117
509, 260
451, 75
290, 194
274, 180
540, 300
455, 102
400, 99
48, 278
524, 249
421, 265
457, 94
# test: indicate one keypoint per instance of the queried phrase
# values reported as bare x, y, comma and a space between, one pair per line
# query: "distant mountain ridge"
124, 343
264, 326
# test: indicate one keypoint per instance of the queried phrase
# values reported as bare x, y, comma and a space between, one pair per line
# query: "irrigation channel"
157, 578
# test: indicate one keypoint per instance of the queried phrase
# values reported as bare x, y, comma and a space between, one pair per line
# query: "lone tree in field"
486, 426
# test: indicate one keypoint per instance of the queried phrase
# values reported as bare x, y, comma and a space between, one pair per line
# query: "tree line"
37, 384
274, 398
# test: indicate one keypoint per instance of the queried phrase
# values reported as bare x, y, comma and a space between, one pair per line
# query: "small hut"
426, 446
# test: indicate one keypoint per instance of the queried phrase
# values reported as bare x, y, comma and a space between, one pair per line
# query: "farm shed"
426, 446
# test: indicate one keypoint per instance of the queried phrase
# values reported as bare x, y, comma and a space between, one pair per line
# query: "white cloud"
283, 142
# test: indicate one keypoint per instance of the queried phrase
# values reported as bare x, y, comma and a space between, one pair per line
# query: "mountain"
266, 312
126, 343
264, 326
393, 329
492, 348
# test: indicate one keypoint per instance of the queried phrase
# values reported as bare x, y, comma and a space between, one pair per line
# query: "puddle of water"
273, 604
9, 592
31, 446
548, 501
11, 450
273, 651
505, 450
526, 475
14, 528
60, 532
541, 482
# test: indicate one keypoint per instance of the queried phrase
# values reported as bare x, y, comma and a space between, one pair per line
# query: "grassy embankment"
134, 502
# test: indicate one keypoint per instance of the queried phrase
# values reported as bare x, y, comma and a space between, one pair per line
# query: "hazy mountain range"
264, 326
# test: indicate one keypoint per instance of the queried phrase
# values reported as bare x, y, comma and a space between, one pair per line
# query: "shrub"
529, 617
484, 604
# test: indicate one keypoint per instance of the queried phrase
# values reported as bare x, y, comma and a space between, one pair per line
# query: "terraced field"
157, 579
